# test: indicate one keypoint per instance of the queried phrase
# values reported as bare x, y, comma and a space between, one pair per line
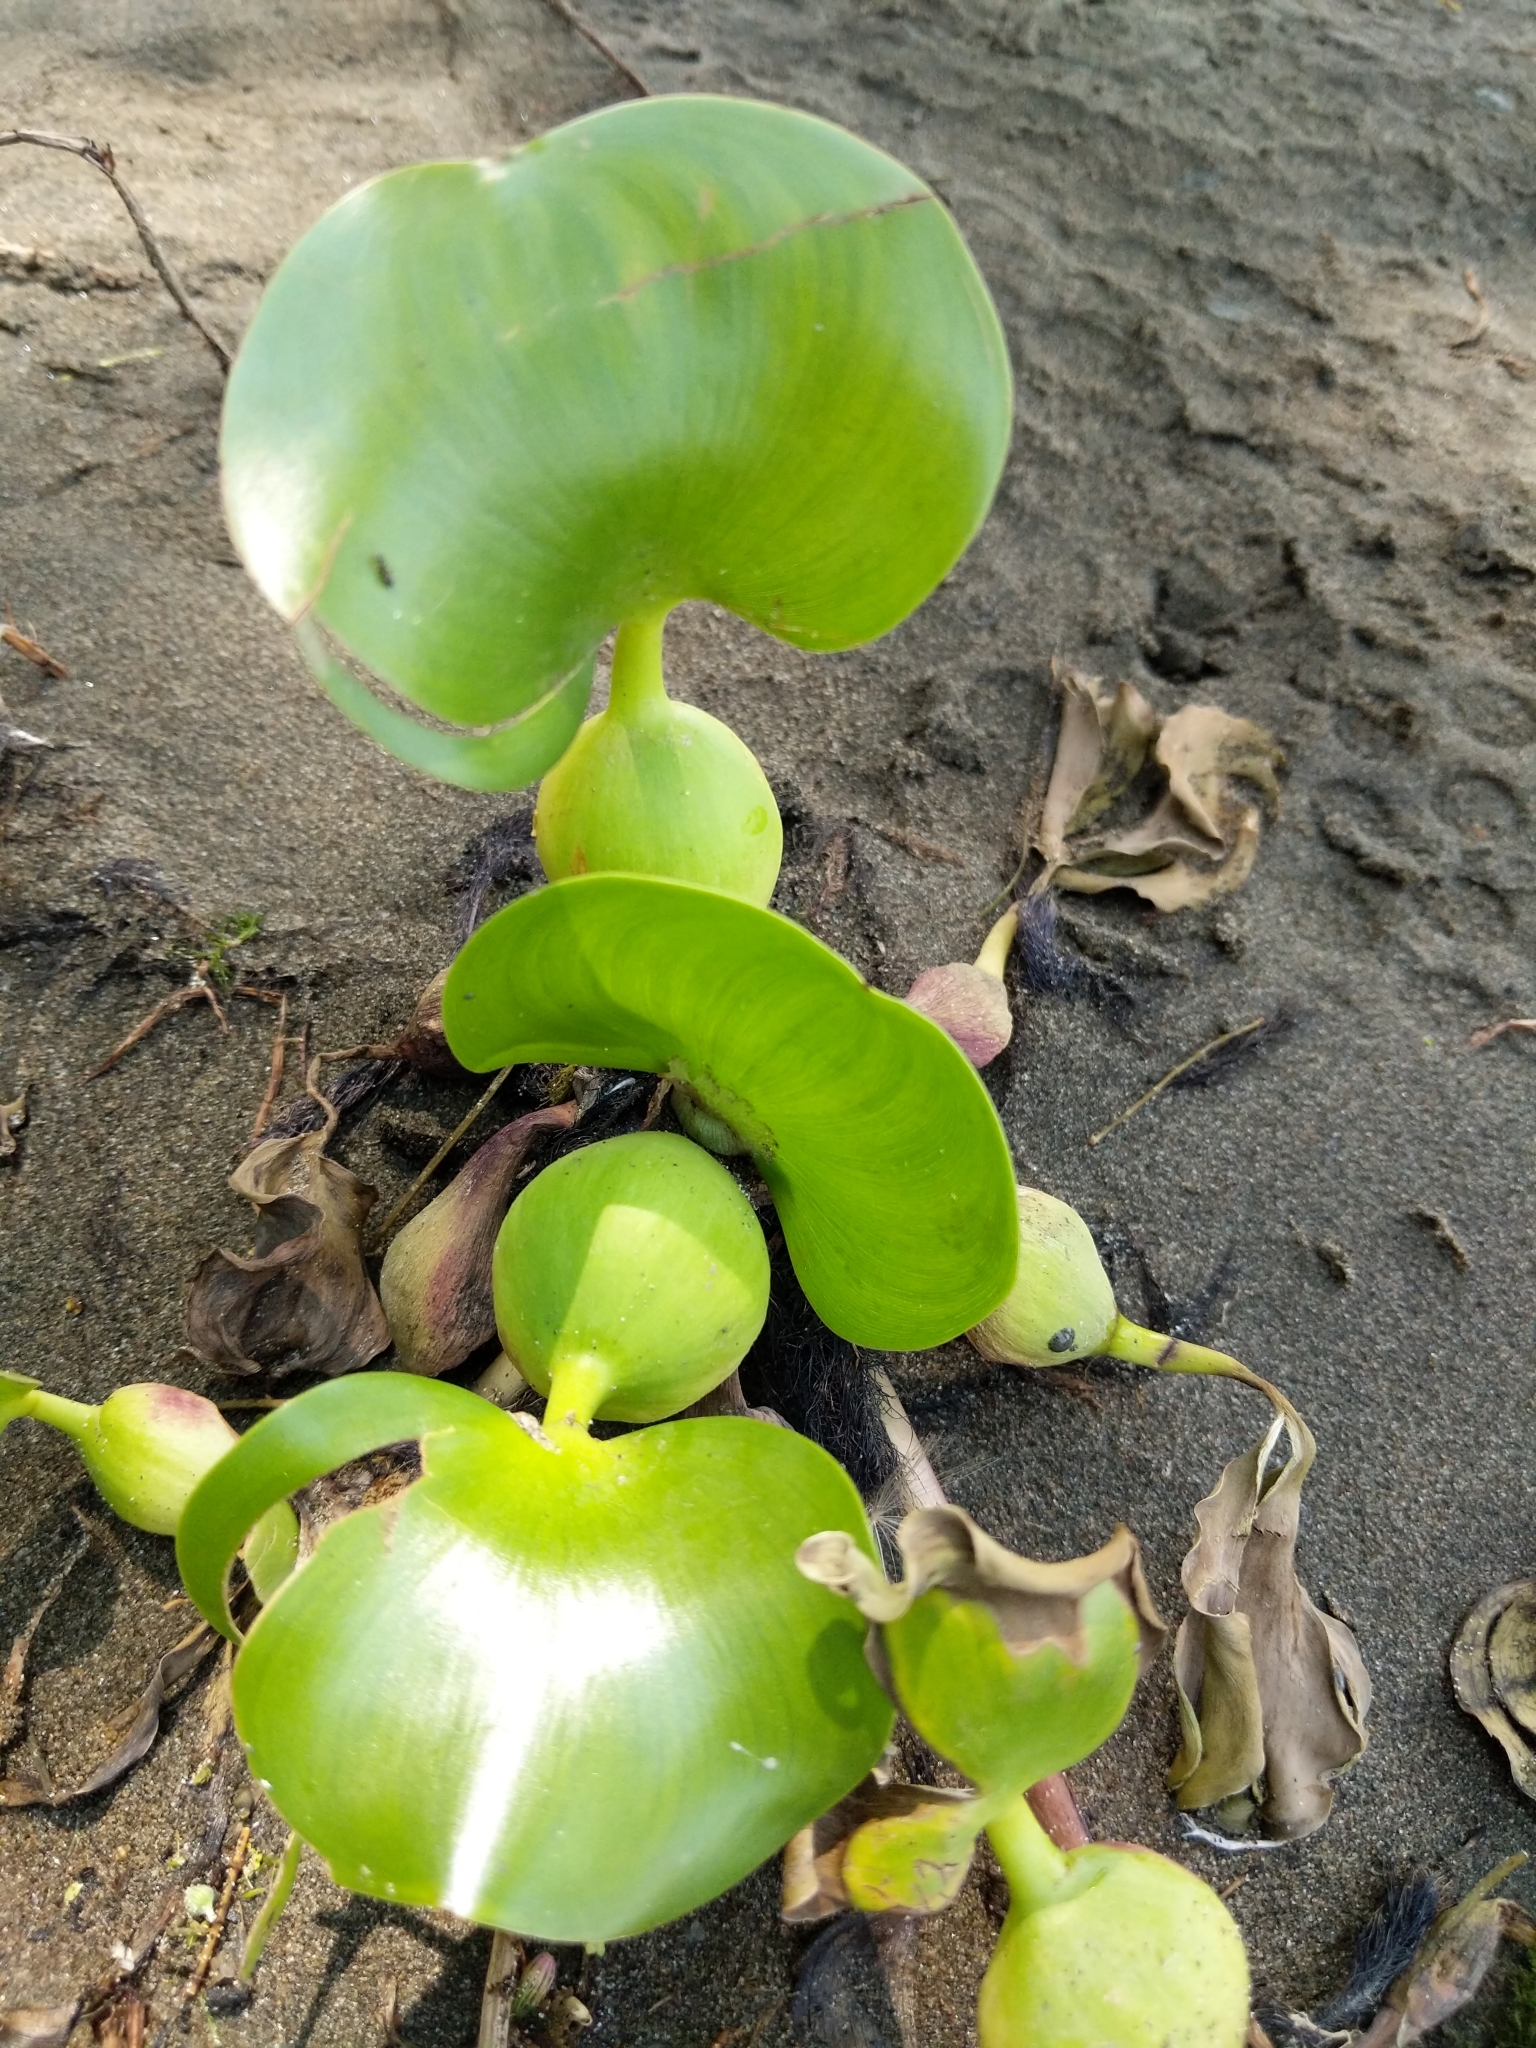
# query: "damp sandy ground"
1228, 246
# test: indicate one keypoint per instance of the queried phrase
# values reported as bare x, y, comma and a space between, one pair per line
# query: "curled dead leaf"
302, 1302
1457, 1954
35, 1788
1272, 1692
1493, 1672
1201, 837
1101, 747
1032, 1603
435, 1285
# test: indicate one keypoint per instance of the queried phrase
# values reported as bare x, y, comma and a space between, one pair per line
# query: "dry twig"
280, 1044
30, 649
1482, 319
1174, 1073
438, 1156
920, 848
209, 1949
1490, 1032
574, 21
100, 154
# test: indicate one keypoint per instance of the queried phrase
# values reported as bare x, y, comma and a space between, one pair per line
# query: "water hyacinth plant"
681, 348
486, 415
1012, 1670
592, 1689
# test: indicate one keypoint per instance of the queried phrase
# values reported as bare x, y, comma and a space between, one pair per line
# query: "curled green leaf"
684, 347
888, 1166
590, 1688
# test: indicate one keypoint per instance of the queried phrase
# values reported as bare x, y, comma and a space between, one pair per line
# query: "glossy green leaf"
571, 1688
681, 348
888, 1166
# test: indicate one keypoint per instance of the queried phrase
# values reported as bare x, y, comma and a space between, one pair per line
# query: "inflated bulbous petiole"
1110, 1942
1062, 1307
970, 1001
630, 1278
653, 787
146, 1448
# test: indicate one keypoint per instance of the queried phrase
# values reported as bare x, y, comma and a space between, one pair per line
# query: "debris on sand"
1272, 1692
302, 1301
1200, 837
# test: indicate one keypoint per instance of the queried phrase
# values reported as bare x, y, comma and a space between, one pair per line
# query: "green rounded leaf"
1009, 1719
681, 348
887, 1163
635, 1267
574, 1689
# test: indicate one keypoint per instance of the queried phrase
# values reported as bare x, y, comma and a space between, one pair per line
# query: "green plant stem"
271, 1907
1137, 1346
1034, 1867
997, 945
576, 1390
75, 1418
637, 684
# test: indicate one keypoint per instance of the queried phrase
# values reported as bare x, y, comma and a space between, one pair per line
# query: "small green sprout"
147, 1447
211, 950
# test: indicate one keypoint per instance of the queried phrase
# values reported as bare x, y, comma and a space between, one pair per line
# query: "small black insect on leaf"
382, 570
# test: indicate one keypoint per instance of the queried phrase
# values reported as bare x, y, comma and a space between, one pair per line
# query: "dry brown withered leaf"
173, 1669
1031, 1602
1493, 1672
303, 1301
1273, 1693
436, 1280
1101, 747
13, 1117
37, 2026
812, 1886
1456, 1955
1201, 837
